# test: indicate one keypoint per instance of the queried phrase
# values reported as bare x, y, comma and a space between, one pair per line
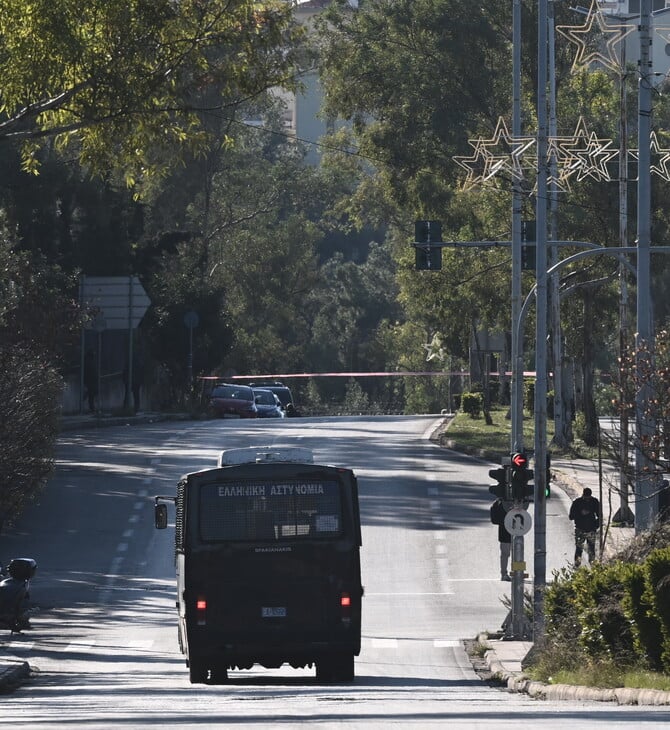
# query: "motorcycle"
15, 594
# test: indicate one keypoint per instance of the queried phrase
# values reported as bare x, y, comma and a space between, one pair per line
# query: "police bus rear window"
256, 511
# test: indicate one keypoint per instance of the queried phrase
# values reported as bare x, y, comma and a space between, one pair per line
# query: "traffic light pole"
540, 507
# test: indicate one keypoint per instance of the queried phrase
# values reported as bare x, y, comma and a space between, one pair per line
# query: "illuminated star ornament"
475, 165
501, 153
585, 155
582, 155
434, 349
662, 156
597, 40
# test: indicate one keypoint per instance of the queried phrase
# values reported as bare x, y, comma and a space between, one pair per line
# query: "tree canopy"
117, 79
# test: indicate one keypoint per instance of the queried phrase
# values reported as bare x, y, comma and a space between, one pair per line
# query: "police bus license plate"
273, 612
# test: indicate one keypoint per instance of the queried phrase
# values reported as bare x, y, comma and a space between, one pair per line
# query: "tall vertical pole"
517, 207
645, 508
540, 563
554, 293
623, 514
518, 626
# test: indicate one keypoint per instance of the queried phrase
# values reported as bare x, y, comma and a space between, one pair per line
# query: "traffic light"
428, 258
521, 475
528, 245
428, 255
501, 489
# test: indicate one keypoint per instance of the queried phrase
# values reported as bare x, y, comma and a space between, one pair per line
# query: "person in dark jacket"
585, 512
498, 513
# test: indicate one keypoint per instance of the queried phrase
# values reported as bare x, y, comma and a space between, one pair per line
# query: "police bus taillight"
345, 607
201, 611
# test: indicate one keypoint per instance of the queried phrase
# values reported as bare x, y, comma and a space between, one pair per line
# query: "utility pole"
644, 476
516, 395
540, 534
554, 282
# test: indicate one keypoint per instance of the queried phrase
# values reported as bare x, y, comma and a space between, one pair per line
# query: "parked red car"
232, 401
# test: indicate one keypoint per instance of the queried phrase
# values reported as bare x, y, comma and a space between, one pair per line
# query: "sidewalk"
504, 659
102, 420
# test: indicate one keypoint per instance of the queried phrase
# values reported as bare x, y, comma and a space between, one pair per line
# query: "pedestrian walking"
498, 513
585, 512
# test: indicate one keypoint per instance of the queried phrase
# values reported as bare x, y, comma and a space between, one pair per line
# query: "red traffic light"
520, 460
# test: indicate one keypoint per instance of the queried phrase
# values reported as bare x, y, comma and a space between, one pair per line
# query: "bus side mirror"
161, 516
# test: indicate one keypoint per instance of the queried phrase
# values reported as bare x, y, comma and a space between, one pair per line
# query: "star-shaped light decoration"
584, 154
434, 349
594, 158
663, 31
500, 153
597, 40
476, 165
662, 155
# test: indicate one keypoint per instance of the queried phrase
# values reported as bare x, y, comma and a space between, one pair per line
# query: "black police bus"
268, 564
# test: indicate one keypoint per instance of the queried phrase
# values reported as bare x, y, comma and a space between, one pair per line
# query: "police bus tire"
197, 672
219, 674
324, 671
345, 668
337, 668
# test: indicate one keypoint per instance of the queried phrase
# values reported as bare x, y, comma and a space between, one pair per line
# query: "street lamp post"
644, 477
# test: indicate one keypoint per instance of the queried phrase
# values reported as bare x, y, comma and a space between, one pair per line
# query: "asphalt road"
104, 648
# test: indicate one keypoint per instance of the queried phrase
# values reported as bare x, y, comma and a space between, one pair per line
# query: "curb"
73, 423
519, 682
13, 676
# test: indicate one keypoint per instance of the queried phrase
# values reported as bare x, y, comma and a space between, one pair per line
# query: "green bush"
647, 638
605, 629
472, 404
657, 595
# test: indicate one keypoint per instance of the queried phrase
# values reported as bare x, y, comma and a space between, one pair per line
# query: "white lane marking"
128, 533
433, 491
140, 644
16, 646
122, 547
80, 646
143, 493
133, 519
434, 504
442, 643
384, 643
138, 505
440, 549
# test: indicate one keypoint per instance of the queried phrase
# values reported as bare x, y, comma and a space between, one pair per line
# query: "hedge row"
618, 612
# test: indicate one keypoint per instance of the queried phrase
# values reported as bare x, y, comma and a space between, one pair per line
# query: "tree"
29, 407
30, 387
115, 80
415, 77
641, 370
